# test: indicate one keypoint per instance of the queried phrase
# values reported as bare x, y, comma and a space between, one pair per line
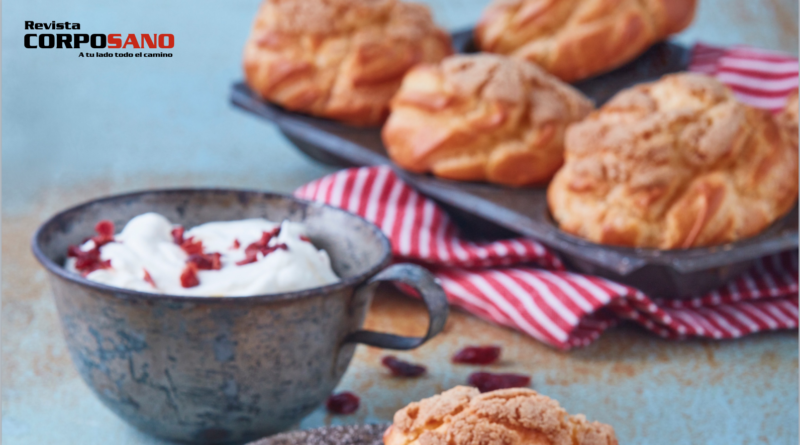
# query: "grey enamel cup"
224, 369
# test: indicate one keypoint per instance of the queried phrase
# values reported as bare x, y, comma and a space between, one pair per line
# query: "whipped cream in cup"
145, 257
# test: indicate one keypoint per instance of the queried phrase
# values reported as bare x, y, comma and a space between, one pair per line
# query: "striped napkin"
521, 284
757, 77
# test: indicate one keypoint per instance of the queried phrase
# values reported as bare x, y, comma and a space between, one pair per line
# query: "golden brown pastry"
341, 59
463, 416
576, 39
673, 164
482, 117
788, 118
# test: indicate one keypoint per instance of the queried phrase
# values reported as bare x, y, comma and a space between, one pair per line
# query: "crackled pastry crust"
575, 39
341, 59
482, 117
788, 118
463, 416
673, 164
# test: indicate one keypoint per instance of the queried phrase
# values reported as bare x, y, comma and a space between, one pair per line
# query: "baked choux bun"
576, 39
482, 117
674, 164
339, 59
787, 118
463, 416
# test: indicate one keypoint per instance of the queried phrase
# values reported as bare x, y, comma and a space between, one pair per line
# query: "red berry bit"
105, 232
189, 276
477, 355
88, 261
343, 403
197, 259
262, 245
189, 245
177, 235
192, 247
486, 381
400, 368
148, 278
206, 261
236, 244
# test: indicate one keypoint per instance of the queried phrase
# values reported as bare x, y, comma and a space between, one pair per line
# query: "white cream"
146, 243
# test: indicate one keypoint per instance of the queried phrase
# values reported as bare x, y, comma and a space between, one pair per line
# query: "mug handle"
432, 294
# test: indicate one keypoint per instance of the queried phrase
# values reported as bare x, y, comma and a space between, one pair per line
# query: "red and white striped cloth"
521, 284
757, 77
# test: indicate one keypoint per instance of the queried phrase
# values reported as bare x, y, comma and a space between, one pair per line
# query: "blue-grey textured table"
80, 128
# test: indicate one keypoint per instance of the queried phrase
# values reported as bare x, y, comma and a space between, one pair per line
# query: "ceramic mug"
224, 369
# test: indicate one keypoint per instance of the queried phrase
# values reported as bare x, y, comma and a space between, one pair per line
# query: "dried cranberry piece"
104, 228
401, 368
177, 235
85, 258
192, 247
486, 381
95, 266
205, 261
343, 403
100, 241
189, 245
236, 244
266, 237
148, 278
105, 233
305, 238
189, 276
87, 261
216, 261
252, 255
477, 355
74, 251
262, 245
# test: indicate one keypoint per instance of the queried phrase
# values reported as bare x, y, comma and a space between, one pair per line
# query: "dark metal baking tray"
491, 210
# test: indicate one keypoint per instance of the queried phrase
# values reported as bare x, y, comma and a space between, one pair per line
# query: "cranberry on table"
343, 403
401, 368
486, 381
477, 355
